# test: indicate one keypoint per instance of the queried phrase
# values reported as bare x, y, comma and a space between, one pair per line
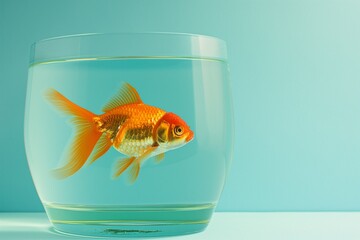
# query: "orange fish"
133, 128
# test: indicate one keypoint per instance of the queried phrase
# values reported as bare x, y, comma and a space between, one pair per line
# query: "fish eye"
178, 130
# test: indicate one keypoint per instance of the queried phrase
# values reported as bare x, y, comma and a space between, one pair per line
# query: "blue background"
295, 70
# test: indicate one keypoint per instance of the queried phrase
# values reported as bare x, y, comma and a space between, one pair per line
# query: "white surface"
224, 226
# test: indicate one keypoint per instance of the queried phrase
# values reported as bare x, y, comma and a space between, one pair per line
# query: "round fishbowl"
129, 134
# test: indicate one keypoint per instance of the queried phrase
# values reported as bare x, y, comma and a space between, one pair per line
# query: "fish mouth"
189, 137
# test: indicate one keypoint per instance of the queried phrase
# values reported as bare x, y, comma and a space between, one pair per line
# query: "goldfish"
133, 128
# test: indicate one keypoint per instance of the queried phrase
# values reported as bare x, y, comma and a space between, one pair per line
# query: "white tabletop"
224, 226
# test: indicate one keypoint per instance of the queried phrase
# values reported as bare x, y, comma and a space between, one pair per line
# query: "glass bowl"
129, 134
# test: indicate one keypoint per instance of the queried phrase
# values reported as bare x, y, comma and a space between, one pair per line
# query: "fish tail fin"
122, 165
86, 133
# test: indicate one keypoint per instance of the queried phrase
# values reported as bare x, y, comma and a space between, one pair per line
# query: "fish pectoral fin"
159, 157
147, 153
135, 166
101, 147
126, 95
121, 165
126, 163
120, 135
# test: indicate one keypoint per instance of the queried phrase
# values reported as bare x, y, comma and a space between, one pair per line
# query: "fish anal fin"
101, 147
159, 157
122, 165
126, 95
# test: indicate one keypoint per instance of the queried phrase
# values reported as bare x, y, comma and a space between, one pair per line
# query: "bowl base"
130, 221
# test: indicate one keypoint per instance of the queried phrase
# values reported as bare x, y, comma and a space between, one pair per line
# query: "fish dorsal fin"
126, 95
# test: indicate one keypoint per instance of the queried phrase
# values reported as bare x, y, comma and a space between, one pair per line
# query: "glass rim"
158, 45
126, 33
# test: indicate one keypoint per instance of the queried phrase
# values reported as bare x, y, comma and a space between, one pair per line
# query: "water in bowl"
175, 196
